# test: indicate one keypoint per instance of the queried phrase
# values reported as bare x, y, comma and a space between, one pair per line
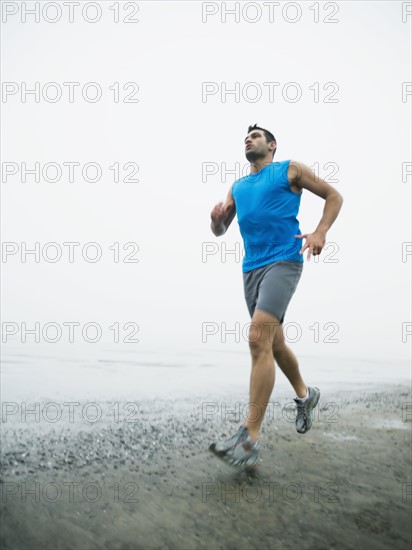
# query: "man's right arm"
222, 215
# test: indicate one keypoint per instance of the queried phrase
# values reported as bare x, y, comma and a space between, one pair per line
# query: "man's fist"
219, 212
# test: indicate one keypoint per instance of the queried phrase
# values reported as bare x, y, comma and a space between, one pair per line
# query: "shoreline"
152, 483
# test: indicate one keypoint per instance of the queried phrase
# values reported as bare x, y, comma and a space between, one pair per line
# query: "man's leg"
262, 378
288, 363
308, 397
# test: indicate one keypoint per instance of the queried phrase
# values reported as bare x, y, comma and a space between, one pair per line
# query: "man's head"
258, 143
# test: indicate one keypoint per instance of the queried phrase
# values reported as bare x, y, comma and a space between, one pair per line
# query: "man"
267, 203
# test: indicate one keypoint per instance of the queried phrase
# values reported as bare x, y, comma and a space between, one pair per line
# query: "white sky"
170, 132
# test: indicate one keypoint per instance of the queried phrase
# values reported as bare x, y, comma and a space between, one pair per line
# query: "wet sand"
141, 477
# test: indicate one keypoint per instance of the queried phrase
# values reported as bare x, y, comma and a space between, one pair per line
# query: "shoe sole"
212, 449
252, 469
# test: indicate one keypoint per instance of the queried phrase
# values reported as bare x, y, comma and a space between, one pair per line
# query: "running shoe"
304, 415
239, 450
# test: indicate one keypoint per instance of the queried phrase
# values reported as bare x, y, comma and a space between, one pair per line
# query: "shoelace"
239, 436
301, 411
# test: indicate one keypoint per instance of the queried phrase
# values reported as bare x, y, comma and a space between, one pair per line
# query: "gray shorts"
271, 287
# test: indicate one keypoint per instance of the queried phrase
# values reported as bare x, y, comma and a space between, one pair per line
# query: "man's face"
256, 146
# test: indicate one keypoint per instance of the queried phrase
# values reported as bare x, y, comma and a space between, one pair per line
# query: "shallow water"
111, 372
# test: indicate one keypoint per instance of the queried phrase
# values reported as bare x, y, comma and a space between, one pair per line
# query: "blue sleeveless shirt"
267, 210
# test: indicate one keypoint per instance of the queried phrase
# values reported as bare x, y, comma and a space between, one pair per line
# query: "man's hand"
219, 212
314, 241
218, 216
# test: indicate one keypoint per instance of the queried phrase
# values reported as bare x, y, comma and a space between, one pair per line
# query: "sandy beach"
183, 181
117, 475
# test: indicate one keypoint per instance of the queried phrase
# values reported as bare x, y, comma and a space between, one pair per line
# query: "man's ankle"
302, 394
253, 434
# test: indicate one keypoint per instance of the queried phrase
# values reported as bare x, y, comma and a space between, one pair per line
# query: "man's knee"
263, 330
278, 344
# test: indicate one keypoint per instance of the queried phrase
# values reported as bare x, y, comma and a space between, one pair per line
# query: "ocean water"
113, 372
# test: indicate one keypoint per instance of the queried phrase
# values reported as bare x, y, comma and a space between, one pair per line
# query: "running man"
267, 204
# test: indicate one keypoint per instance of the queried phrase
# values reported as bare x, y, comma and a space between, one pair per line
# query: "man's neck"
258, 164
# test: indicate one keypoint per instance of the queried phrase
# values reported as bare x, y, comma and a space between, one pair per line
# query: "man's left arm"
302, 177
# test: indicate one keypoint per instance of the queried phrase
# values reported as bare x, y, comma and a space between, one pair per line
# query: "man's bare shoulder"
302, 177
294, 172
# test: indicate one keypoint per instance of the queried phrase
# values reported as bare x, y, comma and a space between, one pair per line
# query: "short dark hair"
268, 135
